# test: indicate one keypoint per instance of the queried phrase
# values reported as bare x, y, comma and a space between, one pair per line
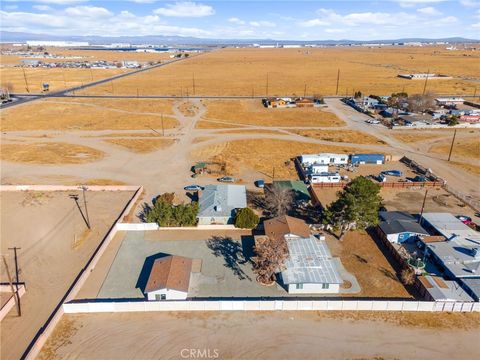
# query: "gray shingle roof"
221, 200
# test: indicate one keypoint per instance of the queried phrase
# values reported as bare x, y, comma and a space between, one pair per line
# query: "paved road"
24, 98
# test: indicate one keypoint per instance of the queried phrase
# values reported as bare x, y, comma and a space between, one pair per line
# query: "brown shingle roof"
278, 227
170, 272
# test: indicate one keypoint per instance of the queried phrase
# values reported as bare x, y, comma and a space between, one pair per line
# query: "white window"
299, 286
325, 286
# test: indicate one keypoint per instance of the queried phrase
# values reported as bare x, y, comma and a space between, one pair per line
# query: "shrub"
246, 219
165, 213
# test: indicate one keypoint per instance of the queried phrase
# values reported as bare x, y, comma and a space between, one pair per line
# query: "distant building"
57, 43
169, 278
449, 101
218, 204
310, 268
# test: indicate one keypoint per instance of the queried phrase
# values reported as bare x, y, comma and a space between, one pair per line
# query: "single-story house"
218, 204
440, 289
410, 120
310, 268
399, 227
169, 278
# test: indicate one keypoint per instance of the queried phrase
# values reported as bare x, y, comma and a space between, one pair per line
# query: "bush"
246, 219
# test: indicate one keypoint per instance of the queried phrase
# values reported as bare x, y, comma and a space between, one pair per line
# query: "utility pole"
17, 281
193, 83
305, 91
163, 128
84, 189
14, 293
253, 92
273, 174
451, 146
474, 93
425, 85
26, 82
423, 205
338, 79
75, 198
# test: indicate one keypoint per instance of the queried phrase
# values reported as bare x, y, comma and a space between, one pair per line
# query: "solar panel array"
310, 261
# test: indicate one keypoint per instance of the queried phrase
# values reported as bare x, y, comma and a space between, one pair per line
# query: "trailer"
367, 159
325, 177
317, 169
324, 158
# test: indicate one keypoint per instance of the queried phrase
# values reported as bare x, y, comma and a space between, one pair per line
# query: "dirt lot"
49, 153
371, 70
262, 155
57, 78
252, 112
55, 245
304, 335
469, 148
91, 114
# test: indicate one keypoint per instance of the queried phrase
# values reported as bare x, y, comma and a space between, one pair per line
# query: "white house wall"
209, 220
314, 289
170, 294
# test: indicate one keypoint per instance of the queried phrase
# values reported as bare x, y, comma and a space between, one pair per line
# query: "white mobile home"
317, 169
325, 178
324, 158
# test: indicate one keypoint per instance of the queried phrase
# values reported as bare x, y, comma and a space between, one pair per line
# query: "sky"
275, 19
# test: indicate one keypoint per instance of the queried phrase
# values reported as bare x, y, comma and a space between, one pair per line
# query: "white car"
373, 122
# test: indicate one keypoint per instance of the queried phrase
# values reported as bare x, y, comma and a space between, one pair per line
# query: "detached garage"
169, 278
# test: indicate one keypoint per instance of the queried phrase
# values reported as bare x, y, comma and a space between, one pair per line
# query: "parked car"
373, 121
193, 188
260, 184
226, 179
465, 219
397, 173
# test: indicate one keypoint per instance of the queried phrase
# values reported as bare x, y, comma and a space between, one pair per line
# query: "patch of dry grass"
244, 72
347, 136
51, 115
469, 167
204, 124
416, 136
50, 153
200, 139
142, 146
361, 256
263, 154
252, 112
468, 148
145, 106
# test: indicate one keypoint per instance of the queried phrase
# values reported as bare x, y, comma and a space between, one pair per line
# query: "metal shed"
367, 159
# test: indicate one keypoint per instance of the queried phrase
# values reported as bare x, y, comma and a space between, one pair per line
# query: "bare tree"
279, 200
420, 103
270, 258
408, 276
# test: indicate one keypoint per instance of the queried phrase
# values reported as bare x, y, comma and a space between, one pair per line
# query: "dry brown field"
142, 146
370, 70
57, 78
469, 148
253, 113
49, 153
263, 155
346, 136
88, 114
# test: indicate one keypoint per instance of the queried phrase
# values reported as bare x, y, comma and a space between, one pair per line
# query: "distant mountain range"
7, 36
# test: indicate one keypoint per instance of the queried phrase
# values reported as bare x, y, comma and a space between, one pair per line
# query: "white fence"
154, 226
270, 305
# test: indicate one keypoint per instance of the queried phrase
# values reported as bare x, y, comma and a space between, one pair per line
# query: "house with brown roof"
169, 278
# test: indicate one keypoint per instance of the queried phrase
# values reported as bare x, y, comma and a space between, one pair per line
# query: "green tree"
356, 207
165, 213
246, 219
452, 120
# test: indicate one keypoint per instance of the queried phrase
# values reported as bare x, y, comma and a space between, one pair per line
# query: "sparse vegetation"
165, 213
246, 219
